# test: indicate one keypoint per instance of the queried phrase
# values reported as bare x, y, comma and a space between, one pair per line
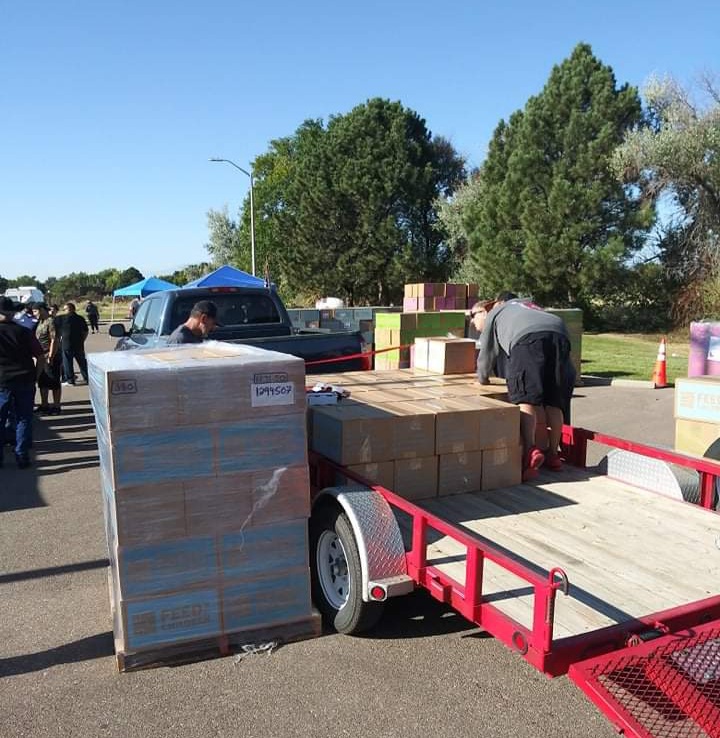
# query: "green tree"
351, 208
551, 219
129, 276
678, 157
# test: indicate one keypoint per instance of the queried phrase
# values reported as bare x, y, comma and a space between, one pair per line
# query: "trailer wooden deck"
627, 552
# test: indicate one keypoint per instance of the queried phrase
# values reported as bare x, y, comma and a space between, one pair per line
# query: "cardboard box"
501, 467
698, 398
410, 304
472, 423
381, 472
267, 600
147, 514
271, 548
451, 355
695, 437
459, 473
166, 567
161, 621
354, 434
416, 479
192, 385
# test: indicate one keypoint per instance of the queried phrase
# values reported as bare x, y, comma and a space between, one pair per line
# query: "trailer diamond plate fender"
380, 544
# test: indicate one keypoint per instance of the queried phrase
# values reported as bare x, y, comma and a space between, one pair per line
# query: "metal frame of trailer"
654, 675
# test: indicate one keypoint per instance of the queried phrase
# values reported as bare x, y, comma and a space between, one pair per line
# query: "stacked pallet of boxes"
206, 496
433, 296
422, 436
697, 415
401, 329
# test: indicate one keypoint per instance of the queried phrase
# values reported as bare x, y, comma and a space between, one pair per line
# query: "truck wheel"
336, 574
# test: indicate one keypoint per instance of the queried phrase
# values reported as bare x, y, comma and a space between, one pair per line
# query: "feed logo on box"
123, 387
272, 388
188, 616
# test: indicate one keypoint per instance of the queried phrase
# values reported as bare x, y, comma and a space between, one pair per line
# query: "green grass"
631, 356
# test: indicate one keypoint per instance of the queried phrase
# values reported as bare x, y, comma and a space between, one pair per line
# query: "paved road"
424, 671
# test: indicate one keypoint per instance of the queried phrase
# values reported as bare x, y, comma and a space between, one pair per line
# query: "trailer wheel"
336, 574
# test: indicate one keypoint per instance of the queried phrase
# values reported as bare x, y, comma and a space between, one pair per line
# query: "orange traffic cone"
659, 377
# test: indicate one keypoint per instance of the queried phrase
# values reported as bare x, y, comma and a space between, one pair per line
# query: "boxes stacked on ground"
205, 486
401, 329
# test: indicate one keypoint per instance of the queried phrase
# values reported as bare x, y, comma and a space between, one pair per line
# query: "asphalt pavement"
424, 671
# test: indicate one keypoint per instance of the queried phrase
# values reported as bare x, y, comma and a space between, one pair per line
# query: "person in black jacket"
18, 350
73, 331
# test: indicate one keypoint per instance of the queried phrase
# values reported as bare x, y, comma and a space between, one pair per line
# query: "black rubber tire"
355, 616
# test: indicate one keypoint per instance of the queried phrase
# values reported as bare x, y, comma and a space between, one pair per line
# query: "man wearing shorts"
536, 350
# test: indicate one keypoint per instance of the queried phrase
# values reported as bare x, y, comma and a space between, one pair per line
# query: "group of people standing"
38, 348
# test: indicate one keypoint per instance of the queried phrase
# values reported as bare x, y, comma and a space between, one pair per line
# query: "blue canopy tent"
227, 276
143, 288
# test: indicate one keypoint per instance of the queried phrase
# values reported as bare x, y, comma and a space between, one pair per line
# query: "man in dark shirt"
18, 348
202, 321
73, 331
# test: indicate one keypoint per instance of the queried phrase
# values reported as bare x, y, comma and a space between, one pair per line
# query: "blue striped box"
165, 620
165, 567
266, 601
271, 548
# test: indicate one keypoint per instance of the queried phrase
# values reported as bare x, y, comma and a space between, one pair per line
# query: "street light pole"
252, 208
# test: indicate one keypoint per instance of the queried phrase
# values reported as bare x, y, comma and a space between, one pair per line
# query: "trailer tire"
337, 575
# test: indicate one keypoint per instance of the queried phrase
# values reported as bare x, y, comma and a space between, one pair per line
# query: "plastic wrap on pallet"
204, 478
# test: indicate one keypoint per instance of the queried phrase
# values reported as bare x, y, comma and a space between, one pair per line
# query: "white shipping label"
272, 393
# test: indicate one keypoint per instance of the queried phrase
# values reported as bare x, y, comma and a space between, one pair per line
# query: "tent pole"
112, 310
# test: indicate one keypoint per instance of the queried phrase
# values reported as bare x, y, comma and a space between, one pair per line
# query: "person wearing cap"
202, 322
536, 350
18, 350
50, 376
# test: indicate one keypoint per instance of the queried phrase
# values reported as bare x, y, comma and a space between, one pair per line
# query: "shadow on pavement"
93, 647
418, 615
53, 571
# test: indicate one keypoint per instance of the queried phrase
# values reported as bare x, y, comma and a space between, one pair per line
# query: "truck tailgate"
664, 688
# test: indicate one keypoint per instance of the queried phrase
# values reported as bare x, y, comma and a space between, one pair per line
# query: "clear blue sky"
111, 108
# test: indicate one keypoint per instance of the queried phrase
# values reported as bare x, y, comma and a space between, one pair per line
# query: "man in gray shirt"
536, 351
202, 322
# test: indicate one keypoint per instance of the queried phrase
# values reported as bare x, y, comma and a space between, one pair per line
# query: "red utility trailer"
613, 583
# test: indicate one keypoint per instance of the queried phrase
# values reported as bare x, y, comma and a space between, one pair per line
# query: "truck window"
152, 321
233, 309
139, 318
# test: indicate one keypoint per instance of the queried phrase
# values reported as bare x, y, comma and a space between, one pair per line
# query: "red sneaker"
553, 462
535, 459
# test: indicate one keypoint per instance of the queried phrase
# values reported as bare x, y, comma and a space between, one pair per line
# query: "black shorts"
50, 376
539, 371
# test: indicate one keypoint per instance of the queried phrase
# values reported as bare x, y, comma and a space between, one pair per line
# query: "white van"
25, 294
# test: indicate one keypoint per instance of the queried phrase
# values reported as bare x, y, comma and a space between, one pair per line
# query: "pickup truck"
253, 315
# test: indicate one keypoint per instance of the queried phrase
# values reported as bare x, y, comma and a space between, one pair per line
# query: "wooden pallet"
224, 645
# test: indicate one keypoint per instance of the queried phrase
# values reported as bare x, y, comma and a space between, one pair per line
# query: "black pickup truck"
253, 315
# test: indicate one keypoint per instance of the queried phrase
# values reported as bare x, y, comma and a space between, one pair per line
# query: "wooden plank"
620, 547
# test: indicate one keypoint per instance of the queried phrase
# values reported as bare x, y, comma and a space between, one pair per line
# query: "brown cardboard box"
416, 479
381, 472
501, 467
694, 437
148, 514
451, 355
354, 433
472, 423
421, 352
414, 431
459, 473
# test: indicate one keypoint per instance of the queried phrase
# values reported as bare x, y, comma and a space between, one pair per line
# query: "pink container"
410, 304
699, 345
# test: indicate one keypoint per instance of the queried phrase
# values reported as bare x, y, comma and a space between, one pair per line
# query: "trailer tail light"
219, 290
378, 593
